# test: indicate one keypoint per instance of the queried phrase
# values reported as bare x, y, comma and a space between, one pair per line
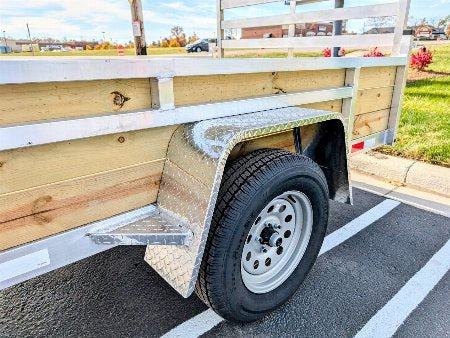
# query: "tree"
176, 32
413, 22
106, 45
174, 43
193, 38
165, 43
423, 22
444, 22
381, 22
182, 40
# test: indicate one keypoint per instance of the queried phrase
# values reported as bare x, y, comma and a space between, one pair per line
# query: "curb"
403, 171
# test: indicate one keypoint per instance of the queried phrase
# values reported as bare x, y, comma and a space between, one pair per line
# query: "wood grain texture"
374, 77
370, 123
284, 140
39, 212
375, 99
334, 106
30, 167
216, 88
41, 101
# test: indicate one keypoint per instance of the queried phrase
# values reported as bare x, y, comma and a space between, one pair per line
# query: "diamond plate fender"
192, 175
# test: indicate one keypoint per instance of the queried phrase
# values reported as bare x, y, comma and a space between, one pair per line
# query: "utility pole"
103, 33
29, 37
137, 18
337, 27
4, 37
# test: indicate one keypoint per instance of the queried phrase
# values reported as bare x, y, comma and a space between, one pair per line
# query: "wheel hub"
276, 242
270, 237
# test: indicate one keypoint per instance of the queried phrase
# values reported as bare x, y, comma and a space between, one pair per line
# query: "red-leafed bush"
327, 52
374, 52
422, 59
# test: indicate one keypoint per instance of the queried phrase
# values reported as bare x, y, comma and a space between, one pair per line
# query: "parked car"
200, 46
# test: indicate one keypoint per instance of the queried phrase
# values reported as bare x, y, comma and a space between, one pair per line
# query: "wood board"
369, 123
42, 101
215, 88
35, 166
35, 213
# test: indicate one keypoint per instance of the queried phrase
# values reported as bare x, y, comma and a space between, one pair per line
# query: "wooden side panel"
369, 123
51, 188
215, 88
42, 101
39, 212
30, 167
374, 77
375, 99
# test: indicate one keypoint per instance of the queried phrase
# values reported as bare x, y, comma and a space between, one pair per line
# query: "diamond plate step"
158, 227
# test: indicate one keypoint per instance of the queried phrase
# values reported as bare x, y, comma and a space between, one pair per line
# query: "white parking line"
206, 320
391, 316
341, 235
196, 326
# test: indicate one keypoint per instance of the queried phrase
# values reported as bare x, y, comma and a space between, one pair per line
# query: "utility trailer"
222, 167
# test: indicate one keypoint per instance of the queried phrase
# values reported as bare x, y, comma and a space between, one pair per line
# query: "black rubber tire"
199, 49
248, 185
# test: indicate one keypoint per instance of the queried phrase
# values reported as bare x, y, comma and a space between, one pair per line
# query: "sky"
87, 19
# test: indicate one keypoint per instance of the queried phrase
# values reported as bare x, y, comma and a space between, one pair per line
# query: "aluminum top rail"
61, 69
399, 9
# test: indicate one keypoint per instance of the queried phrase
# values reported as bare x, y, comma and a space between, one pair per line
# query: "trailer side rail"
399, 9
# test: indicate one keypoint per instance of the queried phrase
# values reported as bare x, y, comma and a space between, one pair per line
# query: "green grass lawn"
424, 131
106, 52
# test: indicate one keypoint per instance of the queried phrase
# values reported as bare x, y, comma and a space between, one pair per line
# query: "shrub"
174, 43
164, 43
374, 52
88, 47
422, 59
327, 52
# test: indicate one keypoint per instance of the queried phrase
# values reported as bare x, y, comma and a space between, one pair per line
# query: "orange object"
120, 50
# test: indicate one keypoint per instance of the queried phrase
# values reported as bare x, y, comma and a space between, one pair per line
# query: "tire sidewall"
250, 305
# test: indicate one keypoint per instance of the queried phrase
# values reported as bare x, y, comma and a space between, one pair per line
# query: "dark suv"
200, 45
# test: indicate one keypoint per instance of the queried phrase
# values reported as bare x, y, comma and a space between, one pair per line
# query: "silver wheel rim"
267, 261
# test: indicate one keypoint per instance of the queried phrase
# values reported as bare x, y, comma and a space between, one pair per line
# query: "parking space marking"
352, 228
208, 319
196, 326
391, 316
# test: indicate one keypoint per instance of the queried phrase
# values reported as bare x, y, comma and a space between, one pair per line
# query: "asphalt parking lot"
380, 275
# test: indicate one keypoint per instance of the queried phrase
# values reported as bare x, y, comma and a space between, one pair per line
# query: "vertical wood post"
220, 31
137, 19
337, 27
400, 24
291, 32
